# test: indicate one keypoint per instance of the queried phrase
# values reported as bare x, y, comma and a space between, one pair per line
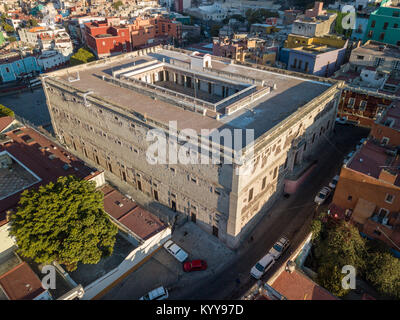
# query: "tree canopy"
4, 111
82, 56
259, 15
65, 222
383, 271
337, 245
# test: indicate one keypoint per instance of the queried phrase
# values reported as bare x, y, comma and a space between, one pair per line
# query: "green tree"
117, 4
316, 229
63, 221
259, 15
383, 271
4, 111
8, 28
32, 23
82, 56
342, 245
215, 29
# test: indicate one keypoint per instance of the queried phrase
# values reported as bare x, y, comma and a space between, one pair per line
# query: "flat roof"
32, 149
21, 283
372, 158
392, 113
140, 221
378, 49
291, 93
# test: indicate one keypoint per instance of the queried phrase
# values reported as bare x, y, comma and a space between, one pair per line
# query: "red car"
195, 265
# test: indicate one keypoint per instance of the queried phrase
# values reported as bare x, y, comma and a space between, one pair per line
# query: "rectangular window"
385, 140
382, 36
370, 33
396, 64
385, 25
350, 104
250, 195
275, 172
263, 183
363, 105
373, 23
389, 198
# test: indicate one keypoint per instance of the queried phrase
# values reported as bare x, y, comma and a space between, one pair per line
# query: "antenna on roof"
87, 104
70, 79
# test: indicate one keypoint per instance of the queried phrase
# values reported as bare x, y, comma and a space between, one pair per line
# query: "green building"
384, 23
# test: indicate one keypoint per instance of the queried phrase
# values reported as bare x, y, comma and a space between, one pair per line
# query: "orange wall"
361, 186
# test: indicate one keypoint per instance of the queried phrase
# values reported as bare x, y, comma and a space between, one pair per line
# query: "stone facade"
110, 135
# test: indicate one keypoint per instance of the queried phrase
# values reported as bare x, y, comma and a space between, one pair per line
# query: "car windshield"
277, 247
259, 267
146, 297
322, 195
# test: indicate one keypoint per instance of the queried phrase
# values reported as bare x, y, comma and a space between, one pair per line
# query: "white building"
213, 12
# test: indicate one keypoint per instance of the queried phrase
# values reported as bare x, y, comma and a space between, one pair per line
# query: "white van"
262, 266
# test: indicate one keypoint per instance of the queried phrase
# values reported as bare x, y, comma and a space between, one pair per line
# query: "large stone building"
103, 111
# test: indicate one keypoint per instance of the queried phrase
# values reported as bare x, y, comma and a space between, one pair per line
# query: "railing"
247, 100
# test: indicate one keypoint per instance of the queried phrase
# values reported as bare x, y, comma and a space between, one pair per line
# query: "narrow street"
290, 216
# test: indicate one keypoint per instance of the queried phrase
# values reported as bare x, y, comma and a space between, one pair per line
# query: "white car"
176, 251
279, 247
157, 294
262, 266
334, 182
322, 195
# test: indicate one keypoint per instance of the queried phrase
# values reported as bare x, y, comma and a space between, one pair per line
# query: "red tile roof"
371, 159
21, 283
5, 122
140, 221
25, 147
296, 286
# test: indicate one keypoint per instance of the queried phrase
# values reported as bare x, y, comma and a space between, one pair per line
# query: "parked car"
262, 266
279, 247
322, 195
334, 182
195, 265
157, 294
341, 120
347, 158
176, 251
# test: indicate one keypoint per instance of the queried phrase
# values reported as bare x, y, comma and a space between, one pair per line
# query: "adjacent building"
14, 66
368, 191
105, 115
372, 81
110, 37
384, 23
320, 56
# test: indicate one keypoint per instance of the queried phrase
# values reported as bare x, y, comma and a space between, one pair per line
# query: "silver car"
322, 195
176, 251
279, 247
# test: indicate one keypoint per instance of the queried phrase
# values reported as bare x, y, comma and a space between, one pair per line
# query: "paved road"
290, 216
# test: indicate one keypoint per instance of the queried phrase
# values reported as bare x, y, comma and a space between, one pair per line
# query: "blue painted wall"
10, 71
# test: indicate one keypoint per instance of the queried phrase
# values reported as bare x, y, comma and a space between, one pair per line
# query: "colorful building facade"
384, 23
